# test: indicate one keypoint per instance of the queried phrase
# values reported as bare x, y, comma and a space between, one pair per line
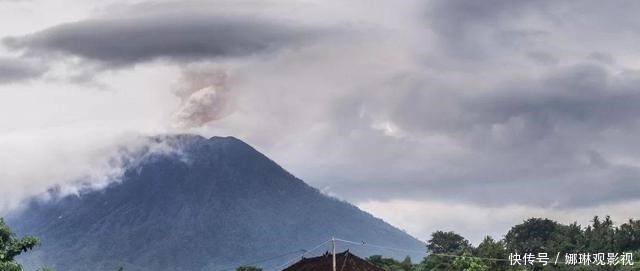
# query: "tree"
442, 246
627, 236
466, 262
390, 264
600, 236
10, 247
490, 249
534, 235
570, 239
450, 251
406, 264
447, 242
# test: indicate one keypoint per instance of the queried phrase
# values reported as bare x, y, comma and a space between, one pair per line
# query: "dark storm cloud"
542, 141
531, 92
476, 29
581, 95
15, 70
482, 30
117, 41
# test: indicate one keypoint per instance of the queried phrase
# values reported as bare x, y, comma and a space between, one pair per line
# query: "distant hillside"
219, 204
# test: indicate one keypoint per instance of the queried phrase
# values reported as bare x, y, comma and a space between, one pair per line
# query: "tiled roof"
345, 261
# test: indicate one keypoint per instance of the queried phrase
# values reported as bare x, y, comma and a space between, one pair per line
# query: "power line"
304, 253
264, 260
383, 247
556, 261
423, 252
366, 244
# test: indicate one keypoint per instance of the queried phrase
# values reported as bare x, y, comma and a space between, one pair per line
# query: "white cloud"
55, 133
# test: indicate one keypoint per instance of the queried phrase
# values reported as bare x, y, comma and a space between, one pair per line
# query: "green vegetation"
391, 264
450, 251
11, 246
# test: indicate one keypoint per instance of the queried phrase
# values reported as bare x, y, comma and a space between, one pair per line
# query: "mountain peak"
224, 205
198, 140
230, 142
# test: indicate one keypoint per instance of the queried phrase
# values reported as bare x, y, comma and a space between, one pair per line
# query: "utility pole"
333, 245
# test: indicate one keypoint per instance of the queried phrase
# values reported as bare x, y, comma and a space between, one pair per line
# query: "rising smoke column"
204, 96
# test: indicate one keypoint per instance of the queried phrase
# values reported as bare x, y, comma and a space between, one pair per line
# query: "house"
345, 261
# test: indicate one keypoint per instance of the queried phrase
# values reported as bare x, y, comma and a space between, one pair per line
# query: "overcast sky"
456, 115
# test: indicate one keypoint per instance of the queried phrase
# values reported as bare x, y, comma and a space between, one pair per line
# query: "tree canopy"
11, 246
450, 251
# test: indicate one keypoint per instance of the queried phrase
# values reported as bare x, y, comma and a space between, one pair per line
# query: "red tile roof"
345, 261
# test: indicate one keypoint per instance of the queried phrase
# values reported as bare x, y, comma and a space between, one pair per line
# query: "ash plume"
204, 96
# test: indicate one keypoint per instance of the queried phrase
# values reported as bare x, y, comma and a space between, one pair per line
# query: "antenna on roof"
333, 245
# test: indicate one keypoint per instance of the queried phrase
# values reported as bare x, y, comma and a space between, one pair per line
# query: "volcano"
214, 204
